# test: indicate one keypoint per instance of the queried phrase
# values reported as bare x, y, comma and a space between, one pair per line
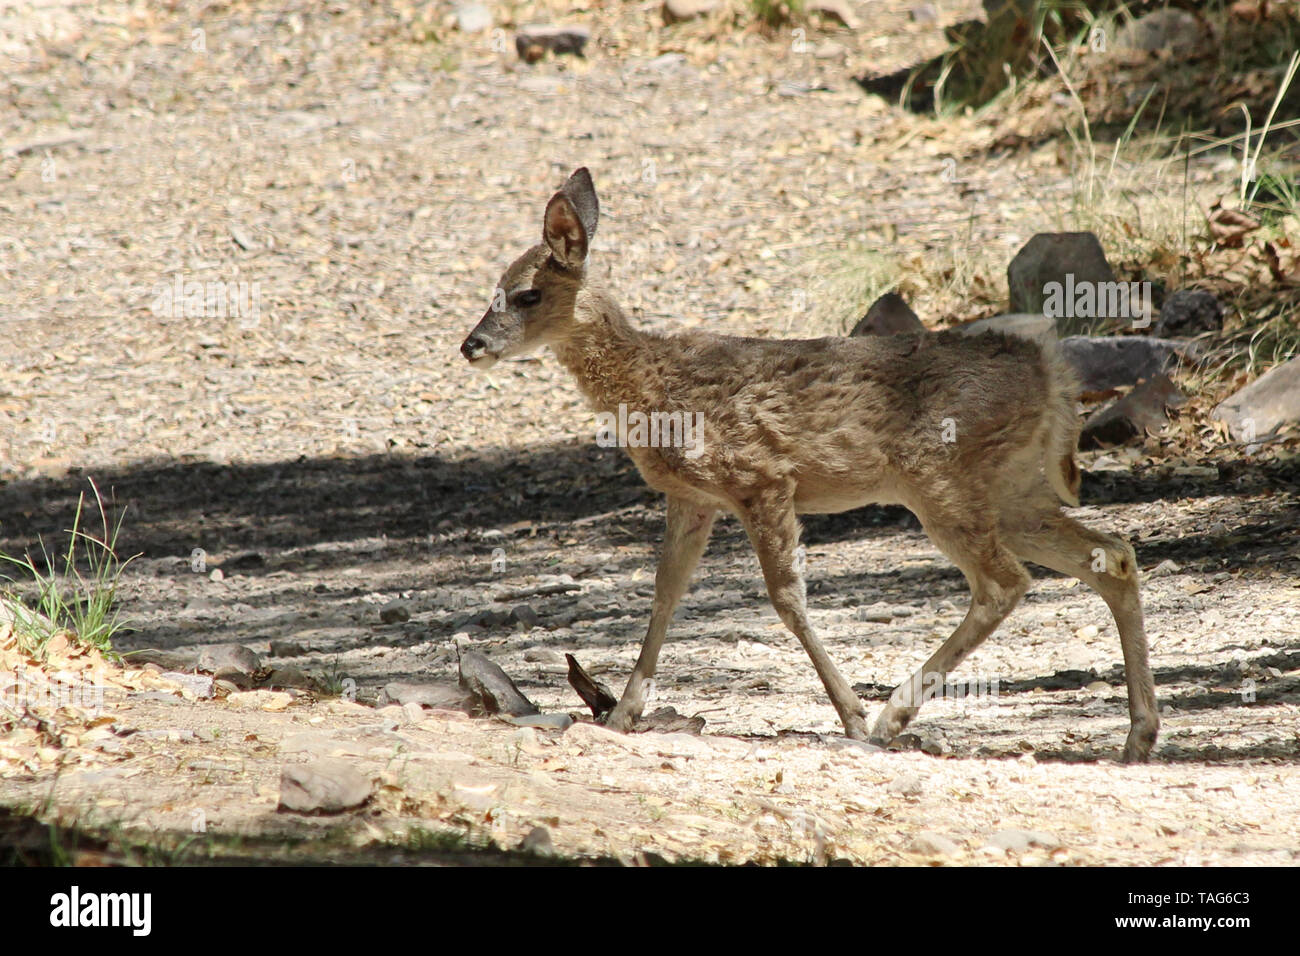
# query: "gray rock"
836, 10
239, 235
1106, 362
1131, 416
666, 720
543, 655
924, 13
848, 743
1164, 568
170, 733
441, 696
667, 63
878, 613
324, 786
245, 561
1189, 312
201, 684
1018, 841
160, 660
495, 691
908, 784
677, 10
934, 844
907, 741
290, 677
451, 598
473, 18
523, 615
888, 315
487, 618
535, 41
394, 612
289, 648
229, 661
1267, 404
1169, 29
413, 713
1053, 257
560, 722
538, 841
1026, 325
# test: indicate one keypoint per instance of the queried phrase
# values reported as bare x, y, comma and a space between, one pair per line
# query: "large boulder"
473, 18
1026, 325
442, 696
675, 11
1189, 312
1169, 29
1065, 276
534, 41
1267, 404
888, 315
233, 662
493, 689
1117, 361
323, 786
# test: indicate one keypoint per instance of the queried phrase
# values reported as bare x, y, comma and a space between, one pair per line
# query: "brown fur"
975, 435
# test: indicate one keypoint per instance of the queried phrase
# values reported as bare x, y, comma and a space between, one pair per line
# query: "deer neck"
605, 354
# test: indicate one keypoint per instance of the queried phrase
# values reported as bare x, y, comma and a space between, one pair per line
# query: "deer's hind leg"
1107, 564
689, 527
773, 529
997, 582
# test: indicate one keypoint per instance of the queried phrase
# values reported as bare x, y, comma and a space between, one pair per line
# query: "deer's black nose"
473, 347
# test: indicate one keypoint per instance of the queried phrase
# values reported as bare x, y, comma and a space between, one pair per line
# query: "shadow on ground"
284, 516
173, 507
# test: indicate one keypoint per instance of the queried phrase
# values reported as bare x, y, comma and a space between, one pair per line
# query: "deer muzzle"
480, 349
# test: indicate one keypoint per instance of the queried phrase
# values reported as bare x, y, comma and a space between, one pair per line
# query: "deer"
974, 434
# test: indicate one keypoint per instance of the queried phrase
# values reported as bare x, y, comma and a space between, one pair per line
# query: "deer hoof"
620, 720
888, 726
1137, 749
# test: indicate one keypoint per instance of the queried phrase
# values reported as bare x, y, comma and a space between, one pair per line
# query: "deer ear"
564, 232
582, 193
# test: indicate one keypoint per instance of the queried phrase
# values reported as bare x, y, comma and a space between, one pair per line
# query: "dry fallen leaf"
1229, 226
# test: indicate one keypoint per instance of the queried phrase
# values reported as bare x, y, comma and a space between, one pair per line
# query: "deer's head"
533, 304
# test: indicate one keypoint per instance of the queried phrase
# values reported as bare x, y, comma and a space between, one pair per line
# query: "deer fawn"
974, 434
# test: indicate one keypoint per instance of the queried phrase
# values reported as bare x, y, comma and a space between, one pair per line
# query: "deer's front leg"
689, 527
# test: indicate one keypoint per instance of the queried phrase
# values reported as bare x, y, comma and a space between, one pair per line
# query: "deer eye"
528, 298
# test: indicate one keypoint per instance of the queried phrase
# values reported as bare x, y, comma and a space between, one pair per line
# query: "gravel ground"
332, 454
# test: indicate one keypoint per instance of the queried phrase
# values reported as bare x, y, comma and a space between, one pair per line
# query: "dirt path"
334, 455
